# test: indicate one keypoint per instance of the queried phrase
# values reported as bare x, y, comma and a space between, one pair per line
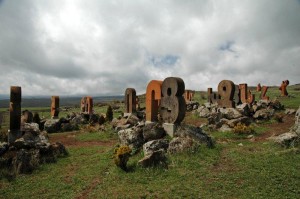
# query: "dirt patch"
275, 129
89, 188
69, 139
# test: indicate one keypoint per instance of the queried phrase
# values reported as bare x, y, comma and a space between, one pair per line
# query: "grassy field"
236, 168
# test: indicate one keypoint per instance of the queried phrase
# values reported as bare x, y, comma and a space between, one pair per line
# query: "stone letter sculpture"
245, 95
283, 86
211, 96
264, 90
173, 106
153, 97
15, 113
54, 106
226, 90
258, 88
130, 100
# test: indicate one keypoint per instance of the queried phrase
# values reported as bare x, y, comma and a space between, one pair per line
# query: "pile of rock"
291, 138
224, 119
72, 122
192, 105
151, 137
28, 152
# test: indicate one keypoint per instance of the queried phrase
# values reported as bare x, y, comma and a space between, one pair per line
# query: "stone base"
128, 114
170, 128
13, 135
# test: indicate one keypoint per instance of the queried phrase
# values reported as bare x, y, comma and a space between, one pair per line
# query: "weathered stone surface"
15, 114
180, 144
153, 97
52, 125
26, 161
290, 111
244, 109
54, 151
3, 147
27, 117
230, 113
173, 106
226, 89
79, 119
69, 127
194, 133
33, 127
287, 139
132, 137
130, 100
157, 158
132, 120
203, 111
244, 120
191, 105
155, 145
263, 114
264, 90
225, 128
153, 131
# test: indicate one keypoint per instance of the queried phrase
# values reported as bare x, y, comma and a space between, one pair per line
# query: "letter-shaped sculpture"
264, 90
86, 105
211, 96
173, 106
54, 106
283, 86
245, 95
236, 95
258, 88
130, 100
226, 90
15, 113
153, 97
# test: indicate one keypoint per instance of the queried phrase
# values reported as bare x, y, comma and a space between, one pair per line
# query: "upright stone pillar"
54, 106
14, 131
130, 100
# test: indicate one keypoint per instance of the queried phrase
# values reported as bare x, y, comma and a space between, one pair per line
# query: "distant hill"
64, 101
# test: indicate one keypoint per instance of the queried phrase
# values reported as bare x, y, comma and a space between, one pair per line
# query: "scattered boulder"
203, 111
230, 113
52, 125
225, 128
180, 144
290, 111
195, 133
132, 137
153, 131
264, 114
155, 158
287, 139
3, 147
155, 145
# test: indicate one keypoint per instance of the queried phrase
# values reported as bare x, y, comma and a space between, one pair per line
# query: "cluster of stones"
235, 104
165, 109
27, 146
291, 138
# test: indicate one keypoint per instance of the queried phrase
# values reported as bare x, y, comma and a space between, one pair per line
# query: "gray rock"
154, 159
290, 111
25, 161
122, 127
195, 133
155, 145
225, 128
30, 127
244, 120
263, 114
153, 131
180, 144
203, 111
244, 109
3, 147
287, 139
132, 137
132, 120
230, 113
52, 125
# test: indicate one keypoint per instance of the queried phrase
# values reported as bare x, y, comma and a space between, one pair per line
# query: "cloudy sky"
100, 47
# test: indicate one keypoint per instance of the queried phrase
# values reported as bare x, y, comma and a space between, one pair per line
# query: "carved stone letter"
15, 114
153, 97
245, 95
226, 90
173, 106
54, 106
130, 100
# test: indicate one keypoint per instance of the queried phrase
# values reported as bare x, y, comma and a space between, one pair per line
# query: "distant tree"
109, 113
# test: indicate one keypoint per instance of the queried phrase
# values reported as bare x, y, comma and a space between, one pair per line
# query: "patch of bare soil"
89, 189
69, 139
275, 129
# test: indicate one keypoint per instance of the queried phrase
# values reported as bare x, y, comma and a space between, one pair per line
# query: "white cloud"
102, 47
